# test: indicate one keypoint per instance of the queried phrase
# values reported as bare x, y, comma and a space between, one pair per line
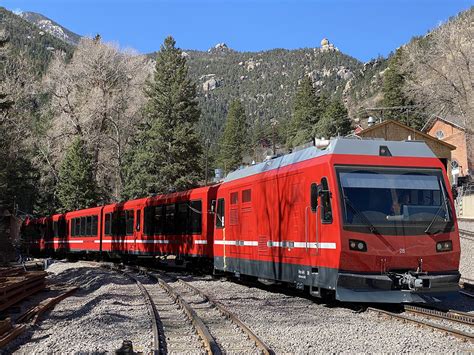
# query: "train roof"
338, 146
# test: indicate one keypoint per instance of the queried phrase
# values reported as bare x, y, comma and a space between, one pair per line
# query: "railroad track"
465, 234
186, 320
455, 323
467, 287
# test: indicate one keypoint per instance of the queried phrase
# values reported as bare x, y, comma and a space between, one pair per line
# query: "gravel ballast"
107, 309
290, 324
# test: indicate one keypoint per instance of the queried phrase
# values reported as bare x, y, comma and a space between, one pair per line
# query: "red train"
363, 220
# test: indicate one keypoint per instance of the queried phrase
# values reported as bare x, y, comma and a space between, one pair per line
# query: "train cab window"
220, 214
89, 225
234, 198
195, 217
169, 220
138, 220
108, 224
181, 217
94, 226
326, 210
246, 196
129, 219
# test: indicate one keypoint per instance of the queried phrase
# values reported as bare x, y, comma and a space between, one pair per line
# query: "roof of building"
455, 121
338, 146
424, 135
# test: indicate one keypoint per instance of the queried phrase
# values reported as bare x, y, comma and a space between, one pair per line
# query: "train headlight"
446, 245
357, 245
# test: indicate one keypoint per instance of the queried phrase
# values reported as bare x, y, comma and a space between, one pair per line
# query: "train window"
181, 217
120, 227
159, 219
62, 228
169, 220
314, 197
89, 225
116, 223
234, 198
108, 224
148, 213
326, 210
220, 213
94, 227
78, 226
83, 226
129, 217
195, 217
73, 227
138, 220
246, 196
55, 229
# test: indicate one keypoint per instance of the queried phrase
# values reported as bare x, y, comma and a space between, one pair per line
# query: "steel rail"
455, 332
150, 305
258, 342
208, 340
469, 235
455, 316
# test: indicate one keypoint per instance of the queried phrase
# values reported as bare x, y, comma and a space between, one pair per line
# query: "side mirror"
213, 206
315, 189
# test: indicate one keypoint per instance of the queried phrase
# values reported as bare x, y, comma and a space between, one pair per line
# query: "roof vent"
321, 143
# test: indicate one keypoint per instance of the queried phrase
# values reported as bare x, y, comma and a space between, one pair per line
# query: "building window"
454, 167
439, 134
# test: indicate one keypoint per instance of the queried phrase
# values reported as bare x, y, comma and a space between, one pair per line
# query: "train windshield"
394, 201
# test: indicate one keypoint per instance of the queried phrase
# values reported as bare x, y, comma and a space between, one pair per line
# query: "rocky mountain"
51, 27
266, 81
27, 39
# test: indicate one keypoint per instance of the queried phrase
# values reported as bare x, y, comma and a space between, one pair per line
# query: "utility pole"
273, 123
208, 143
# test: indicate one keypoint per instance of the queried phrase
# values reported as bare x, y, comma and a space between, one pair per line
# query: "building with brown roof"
396, 131
451, 130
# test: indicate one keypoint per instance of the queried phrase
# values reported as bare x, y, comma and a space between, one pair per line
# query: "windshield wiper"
427, 230
361, 214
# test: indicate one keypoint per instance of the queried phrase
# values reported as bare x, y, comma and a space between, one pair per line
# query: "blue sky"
361, 28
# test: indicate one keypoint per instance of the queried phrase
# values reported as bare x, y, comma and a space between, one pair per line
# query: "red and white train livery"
364, 220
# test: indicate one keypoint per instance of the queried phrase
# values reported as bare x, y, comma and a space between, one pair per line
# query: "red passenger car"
82, 231
369, 221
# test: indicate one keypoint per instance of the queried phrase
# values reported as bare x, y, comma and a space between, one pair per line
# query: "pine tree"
308, 108
234, 140
394, 96
76, 188
167, 153
335, 121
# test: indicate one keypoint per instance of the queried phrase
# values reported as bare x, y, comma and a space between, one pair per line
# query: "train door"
219, 232
130, 235
320, 217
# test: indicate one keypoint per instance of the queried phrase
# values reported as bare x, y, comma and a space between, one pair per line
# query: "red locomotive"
363, 220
